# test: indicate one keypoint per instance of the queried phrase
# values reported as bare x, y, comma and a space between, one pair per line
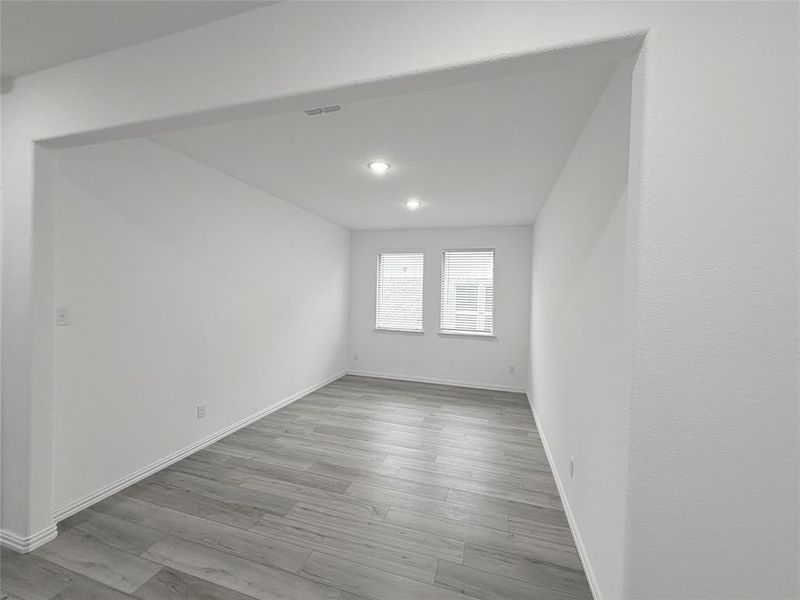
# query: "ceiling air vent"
313, 112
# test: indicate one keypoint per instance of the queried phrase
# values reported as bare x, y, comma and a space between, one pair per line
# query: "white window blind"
468, 292
399, 301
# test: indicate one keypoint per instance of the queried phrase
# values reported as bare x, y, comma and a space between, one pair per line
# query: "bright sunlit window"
468, 292
399, 297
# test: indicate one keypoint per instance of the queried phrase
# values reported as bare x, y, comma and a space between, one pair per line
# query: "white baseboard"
27, 544
587, 566
104, 492
467, 384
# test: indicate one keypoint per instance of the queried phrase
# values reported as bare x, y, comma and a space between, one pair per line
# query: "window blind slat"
468, 291
399, 291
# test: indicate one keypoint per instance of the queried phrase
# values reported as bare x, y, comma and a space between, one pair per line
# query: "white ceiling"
479, 154
40, 34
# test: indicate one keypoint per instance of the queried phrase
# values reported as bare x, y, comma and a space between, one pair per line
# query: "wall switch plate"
571, 467
201, 411
62, 315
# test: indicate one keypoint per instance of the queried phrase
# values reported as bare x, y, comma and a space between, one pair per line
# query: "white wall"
185, 287
580, 380
713, 470
444, 358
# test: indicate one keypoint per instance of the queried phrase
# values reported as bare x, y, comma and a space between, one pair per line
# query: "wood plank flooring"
366, 489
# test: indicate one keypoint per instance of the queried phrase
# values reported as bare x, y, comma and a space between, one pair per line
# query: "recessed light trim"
413, 204
378, 166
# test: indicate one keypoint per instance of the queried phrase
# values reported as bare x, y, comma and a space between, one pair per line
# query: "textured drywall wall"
431, 356
713, 489
184, 287
580, 387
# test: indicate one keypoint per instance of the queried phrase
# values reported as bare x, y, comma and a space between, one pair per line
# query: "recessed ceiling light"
378, 166
413, 204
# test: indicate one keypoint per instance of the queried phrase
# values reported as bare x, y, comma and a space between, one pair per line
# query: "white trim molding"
467, 384
576, 535
104, 492
24, 545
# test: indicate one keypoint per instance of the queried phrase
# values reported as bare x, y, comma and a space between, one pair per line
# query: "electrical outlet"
62, 315
201, 411
571, 467
355, 356
511, 370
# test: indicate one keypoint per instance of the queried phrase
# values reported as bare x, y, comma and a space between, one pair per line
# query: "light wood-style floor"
364, 489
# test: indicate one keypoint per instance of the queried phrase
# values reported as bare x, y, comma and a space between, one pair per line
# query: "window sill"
468, 334
408, 331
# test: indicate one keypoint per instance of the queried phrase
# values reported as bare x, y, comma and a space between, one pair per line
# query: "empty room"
400, 300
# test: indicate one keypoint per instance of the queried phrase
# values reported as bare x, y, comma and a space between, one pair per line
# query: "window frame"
461, 333
378, 254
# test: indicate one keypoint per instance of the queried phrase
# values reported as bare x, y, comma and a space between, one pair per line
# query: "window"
399, 298
468, 292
